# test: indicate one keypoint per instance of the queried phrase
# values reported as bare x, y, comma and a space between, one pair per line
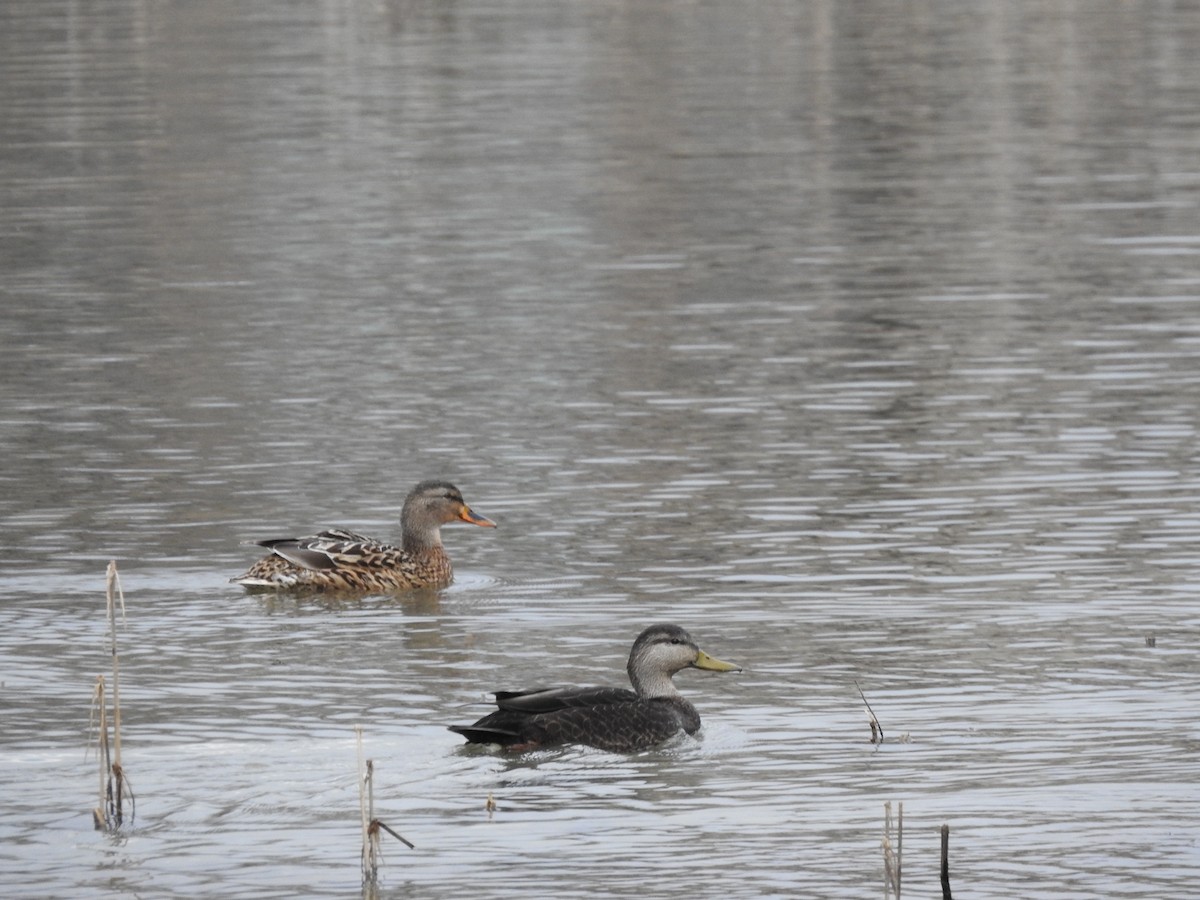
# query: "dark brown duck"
609, 718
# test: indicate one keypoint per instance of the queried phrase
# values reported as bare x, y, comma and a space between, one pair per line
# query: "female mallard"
340, 560
609, 718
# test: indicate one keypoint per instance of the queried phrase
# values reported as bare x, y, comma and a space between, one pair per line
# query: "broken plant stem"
876, 728
372, 852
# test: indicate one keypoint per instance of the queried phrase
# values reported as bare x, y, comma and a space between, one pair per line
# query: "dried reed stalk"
113, 582
372, 849
114, 784
893, 855
99, 716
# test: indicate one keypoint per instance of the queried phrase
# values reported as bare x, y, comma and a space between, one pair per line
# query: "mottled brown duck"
609, 718
343, 561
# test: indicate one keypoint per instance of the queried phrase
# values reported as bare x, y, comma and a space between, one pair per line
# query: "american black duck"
609, 718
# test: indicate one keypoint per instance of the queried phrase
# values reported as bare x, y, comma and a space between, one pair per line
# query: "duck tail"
476, 734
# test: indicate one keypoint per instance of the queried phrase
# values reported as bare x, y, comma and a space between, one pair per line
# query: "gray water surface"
862, 340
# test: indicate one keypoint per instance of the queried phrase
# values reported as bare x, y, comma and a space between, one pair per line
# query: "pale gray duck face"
662, 650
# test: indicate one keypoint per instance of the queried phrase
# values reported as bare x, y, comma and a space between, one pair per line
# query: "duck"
608, 718
347, 562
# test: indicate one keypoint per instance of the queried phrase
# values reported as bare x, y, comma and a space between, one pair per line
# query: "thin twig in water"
401, 838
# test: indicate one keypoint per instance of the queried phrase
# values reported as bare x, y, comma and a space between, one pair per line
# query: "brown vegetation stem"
113, 581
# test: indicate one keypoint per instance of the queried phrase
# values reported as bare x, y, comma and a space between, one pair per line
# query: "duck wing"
330, 549
548, 700
621, 722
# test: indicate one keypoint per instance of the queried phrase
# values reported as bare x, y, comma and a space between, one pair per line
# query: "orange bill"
466, 514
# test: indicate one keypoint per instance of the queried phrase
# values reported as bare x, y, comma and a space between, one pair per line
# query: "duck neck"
652, 684
422, 541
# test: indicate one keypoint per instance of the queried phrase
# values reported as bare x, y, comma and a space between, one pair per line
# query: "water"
859, 339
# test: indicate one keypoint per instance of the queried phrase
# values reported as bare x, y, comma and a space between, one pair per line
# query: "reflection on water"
860, 340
